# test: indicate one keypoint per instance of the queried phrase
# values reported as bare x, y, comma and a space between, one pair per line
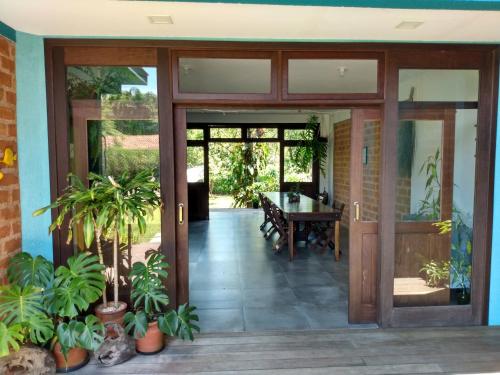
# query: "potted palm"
150, 321
40, 305
104, 210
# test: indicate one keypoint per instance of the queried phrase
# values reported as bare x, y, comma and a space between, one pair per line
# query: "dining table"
306, 210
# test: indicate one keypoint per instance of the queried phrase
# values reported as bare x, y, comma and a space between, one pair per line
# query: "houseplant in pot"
49, 305
151, 321
104, 211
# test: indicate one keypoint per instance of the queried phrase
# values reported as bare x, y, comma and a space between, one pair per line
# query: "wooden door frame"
475, 313
62, 52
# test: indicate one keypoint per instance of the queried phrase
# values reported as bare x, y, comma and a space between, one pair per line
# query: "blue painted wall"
7, 31
33, 149
494, 311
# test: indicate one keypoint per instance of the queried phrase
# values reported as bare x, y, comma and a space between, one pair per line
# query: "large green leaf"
136, 323
80, 284
18, 305
68, 335
179, 323
25, 270
41, 328
92, 336
10, 338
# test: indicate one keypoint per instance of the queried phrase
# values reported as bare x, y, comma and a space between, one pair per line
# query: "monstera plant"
41, 305
151, 320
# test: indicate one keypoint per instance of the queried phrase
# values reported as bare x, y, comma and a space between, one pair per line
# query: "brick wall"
342, 156
10, 217
341, 164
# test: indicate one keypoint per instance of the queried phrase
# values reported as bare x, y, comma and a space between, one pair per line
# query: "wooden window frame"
332, 55
260, 55
476, 312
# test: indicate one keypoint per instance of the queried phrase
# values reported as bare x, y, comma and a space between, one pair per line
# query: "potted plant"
40, 305
150, 321
104, 211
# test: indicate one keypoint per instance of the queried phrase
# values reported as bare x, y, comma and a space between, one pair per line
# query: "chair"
326, 232
281, 226
267, 216
266, 206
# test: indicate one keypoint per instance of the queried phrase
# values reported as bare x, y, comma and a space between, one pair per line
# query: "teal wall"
494, 311
7, 31
33, 150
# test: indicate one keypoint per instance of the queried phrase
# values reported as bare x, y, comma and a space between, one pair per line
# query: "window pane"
224, 76
433, 253
331, 76
297, 135
294, 171
262, 133
114, 129
419, 170
438, 85
195, 134
195, 164
225, 133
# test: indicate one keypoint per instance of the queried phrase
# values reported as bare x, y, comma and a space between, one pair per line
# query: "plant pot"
107, 313
76, 359
152, 342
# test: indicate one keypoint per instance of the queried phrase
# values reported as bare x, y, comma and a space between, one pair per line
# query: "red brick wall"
10, 217
341, 164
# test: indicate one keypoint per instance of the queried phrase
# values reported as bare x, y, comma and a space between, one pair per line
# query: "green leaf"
68, 335
79, 284
19, 305
25, 270
41, 328
10, 338
168, 323
136, 323
88, 229
92, 336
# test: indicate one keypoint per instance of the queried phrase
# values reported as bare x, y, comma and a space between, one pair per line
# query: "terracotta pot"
152, 342
107, 313
76, 359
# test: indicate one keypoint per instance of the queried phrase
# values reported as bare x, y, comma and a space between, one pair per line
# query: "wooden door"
363, 226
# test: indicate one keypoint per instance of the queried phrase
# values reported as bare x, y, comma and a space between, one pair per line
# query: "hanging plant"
312, 148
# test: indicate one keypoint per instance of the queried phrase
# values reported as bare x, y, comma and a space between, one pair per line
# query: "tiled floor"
239, 284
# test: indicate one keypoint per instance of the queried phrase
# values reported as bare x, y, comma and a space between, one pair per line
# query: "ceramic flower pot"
76, 359
152, 342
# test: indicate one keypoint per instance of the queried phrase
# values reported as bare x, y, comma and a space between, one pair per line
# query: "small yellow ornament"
1, 176
9, 157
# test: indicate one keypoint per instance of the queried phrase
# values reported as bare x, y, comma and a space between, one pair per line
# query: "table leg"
291, 243
337, 241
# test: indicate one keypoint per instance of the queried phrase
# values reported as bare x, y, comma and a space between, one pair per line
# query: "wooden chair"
266, 206
281, 226
267, 217
326, 232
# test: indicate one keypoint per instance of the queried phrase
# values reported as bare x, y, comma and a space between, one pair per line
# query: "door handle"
180, 215
356, 211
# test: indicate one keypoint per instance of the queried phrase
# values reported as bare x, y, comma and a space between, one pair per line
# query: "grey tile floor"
239, 284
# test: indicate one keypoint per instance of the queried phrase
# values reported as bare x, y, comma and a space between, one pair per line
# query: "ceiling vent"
160, 20
409, 25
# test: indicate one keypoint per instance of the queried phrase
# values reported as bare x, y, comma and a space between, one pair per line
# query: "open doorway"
238, 281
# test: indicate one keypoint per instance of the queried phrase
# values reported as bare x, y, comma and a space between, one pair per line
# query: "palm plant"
150, 301
41, 305
106, 209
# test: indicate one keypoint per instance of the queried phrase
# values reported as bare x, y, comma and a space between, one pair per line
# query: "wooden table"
307, 209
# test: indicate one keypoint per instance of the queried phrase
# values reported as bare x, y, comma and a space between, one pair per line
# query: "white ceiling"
113, 18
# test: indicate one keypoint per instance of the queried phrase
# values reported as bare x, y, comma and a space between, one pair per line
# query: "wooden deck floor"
472, 350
